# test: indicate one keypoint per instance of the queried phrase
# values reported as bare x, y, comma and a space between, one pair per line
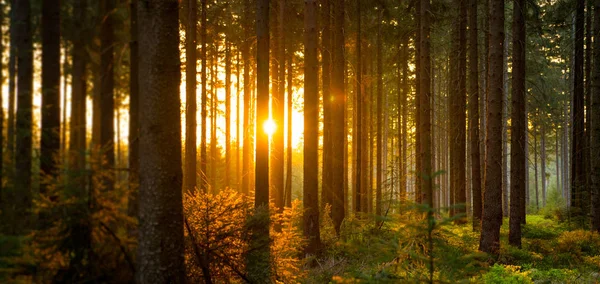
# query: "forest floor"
403, 250
399, 248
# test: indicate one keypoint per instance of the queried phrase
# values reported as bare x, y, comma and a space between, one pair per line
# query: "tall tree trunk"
227, 112
577, 208
418, 108
535, 169
246, 57
134, 113
457, 114
358, 172
190, 97
12, 70
379, 167
214, 100
426, 175
238, 123
311, 129
290, 82
505, 176
107, 100
518, 158
50, 140
258, 260
161, 216
326, 49
278, 110
24, 58
474, 115
404, 104
203, 106
338, 106
588, 106
492, 209
595, 134
543, 162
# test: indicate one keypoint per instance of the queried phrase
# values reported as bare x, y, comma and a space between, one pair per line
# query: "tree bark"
474, 115
326, 49
134, 113
338, 105
50, 140
258, 260
107, 100
577, 209
492, 209
161, 244
24, 127
311, 130
278, 110
227, 112
518, 157
203, 106
190, 97
379, 167
246, 144
425, 194
595, 134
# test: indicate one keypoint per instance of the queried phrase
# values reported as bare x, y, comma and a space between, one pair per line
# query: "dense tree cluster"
470, 110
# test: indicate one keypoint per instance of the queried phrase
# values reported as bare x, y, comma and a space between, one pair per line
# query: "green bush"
506, 274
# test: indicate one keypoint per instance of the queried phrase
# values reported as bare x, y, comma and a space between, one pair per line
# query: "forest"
290, 141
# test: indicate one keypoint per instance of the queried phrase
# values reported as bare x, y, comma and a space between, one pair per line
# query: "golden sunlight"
269, 127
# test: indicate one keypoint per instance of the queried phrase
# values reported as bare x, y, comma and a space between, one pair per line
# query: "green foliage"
506, 274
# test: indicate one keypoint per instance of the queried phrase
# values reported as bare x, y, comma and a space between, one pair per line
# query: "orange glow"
269, 127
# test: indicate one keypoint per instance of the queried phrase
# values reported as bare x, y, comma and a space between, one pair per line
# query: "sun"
269, 127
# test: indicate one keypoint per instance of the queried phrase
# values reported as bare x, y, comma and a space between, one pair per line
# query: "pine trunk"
492, 209
161, 216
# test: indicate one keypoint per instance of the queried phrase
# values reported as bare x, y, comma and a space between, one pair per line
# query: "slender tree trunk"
246, 57
24, 127
107, 100
474, 115
405, 91
190, 97
426, 179
326, 49
338, 105
134, 113
492, 209
238, 123
595, 134
543, 162
358, 172
518, 158
227, 112
203, 107
578, 138
278, 110
12, 70
214, 100
290, 77
418, 108
161, 217
457, 115
258, 260
311, 129
535, 170
379, 166
505, 115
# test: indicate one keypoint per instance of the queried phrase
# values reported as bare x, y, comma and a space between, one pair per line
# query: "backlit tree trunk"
474, 115
311, 129
190, 98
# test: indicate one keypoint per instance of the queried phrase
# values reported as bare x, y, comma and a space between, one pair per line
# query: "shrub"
506, 274
217, 236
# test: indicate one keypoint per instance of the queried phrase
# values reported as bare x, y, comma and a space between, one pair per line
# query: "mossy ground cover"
401, 250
